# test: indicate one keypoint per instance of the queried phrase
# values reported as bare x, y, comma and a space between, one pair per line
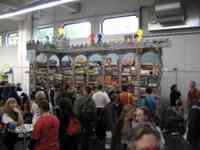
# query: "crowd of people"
88, 118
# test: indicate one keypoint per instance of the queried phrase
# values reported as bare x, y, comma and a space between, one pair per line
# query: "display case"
150, 69
54, 73
41, 71
67, 70
128, 69
111, 70
80, 71
95, 70
133, 67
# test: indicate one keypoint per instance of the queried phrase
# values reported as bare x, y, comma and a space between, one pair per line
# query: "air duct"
170, 13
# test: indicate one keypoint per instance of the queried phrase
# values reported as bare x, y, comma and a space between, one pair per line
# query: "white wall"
184, 55
9, 56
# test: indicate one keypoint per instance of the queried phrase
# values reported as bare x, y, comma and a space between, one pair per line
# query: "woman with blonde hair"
12, 117
12, 113
125, 123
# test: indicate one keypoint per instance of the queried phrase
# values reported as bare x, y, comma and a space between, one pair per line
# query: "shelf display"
80, 71
41, 73
53, 64
111, 70
150, 69
55, 77
95, 70
67, 70
128, 69
137, 68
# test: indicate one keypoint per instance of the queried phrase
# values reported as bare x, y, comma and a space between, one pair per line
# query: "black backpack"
87, 110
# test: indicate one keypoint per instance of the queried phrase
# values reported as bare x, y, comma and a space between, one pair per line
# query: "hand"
16, 110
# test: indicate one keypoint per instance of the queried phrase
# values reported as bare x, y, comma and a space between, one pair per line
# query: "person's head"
40, 95
99, 87
10, 104
144, 137
173, 87
65, 105
149, 90
125, 88
87, 90
192, 84
142, 114
43, 106
114, 96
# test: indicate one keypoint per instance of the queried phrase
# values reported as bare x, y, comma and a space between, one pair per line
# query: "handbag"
74, 126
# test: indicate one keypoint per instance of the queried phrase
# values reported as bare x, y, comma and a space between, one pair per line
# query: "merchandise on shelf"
116, 66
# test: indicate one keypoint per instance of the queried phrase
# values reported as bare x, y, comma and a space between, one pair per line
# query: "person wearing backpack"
85, 109
70, 126
101, 99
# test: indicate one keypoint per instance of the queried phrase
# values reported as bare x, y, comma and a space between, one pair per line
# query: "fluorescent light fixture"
35, 8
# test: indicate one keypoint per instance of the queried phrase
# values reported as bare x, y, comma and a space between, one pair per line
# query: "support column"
25, 34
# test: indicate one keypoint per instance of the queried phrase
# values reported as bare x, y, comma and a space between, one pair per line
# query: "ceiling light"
35, 8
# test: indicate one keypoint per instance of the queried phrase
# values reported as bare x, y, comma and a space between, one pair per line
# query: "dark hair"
88, 89
44, 105
124, 88
64, 113
149, 90
173, 87
139, 131
99, 87
65, 105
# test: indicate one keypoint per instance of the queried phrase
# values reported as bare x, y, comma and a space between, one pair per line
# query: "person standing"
12, 117
68, 139
101, 99
85, 110
39, 96
193, 135
148, 100
175, 95
46, 130
192, 95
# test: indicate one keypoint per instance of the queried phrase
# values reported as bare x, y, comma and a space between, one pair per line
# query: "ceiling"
8, 5
16, 3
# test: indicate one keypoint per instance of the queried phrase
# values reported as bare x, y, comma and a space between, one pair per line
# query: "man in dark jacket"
175, 95
193, 135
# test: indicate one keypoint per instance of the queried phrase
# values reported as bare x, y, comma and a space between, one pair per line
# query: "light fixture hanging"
35, 8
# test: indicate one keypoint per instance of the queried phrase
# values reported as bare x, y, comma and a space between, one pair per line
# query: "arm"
20, 116
107, 99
